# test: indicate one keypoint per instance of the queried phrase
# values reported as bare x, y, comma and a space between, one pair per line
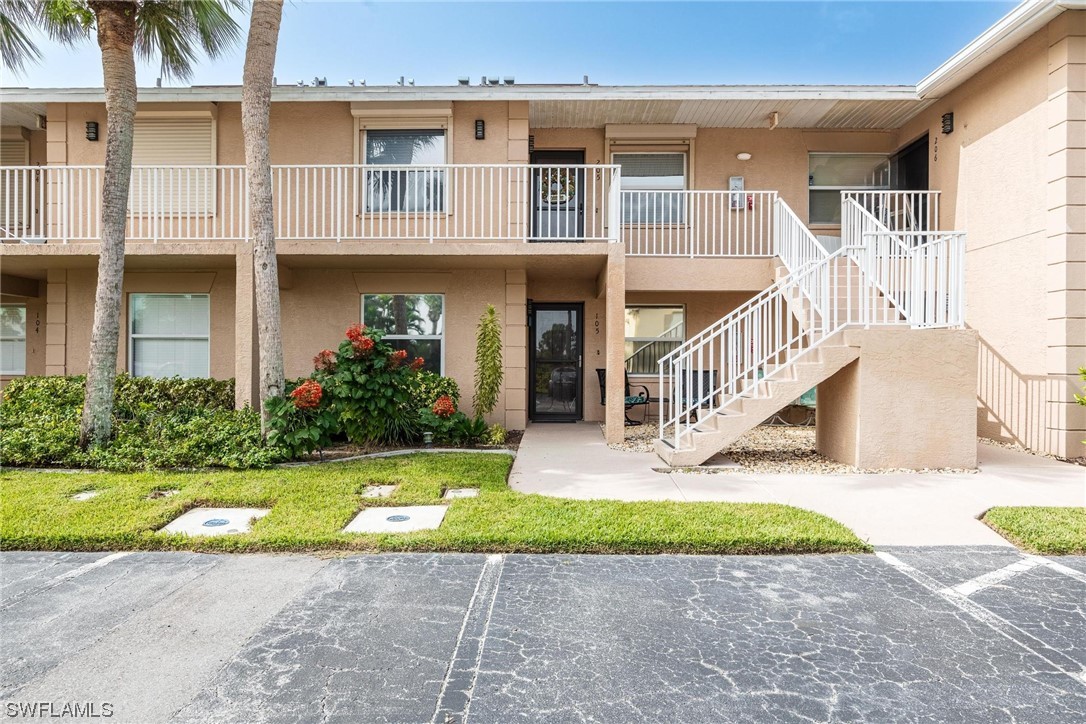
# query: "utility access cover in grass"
215, 521
397, 520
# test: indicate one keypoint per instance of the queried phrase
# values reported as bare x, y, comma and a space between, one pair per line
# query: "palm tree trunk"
255, 122
116, 22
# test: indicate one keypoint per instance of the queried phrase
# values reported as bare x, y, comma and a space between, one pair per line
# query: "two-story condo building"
918, 253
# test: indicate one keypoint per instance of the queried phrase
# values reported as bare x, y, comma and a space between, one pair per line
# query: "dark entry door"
909, 172
558, 196
556, 339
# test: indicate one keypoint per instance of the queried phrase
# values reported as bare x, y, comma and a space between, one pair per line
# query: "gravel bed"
768, 449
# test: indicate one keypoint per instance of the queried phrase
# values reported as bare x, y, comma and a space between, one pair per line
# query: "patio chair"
631, 401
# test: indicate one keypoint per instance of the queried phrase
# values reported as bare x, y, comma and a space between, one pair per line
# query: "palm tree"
173, 31
255, 123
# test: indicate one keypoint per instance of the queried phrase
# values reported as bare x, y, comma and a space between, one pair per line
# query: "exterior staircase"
752, 363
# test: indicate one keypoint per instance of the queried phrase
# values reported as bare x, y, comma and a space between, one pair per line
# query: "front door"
558, 196
555, 338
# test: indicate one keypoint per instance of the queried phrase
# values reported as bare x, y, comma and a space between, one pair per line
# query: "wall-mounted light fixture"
948, 123
744, 156
92, 130
480, 130
531, 143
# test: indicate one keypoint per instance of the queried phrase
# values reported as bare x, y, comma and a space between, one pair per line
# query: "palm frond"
16, 47
175, 30
66, 21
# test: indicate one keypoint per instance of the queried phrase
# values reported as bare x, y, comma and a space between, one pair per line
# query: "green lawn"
1049, 531
310, 505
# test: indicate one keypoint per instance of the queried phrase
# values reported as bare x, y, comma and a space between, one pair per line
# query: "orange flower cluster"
397, 357
307, 395
444, 407
362, 344
325, 361
418, 364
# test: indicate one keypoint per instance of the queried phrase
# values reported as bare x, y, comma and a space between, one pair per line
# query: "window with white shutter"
655, 177
13, 186
180, 152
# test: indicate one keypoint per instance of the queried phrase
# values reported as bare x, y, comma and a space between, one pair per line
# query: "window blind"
169, 335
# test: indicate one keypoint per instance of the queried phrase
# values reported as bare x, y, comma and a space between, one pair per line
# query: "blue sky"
613, 42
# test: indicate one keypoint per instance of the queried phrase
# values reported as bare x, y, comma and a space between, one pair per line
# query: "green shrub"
158, 423
429, 386
496, 435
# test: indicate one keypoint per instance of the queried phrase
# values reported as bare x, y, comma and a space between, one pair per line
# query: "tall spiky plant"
488, 362
175, 32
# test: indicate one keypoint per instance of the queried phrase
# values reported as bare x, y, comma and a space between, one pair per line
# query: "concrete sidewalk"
907, 509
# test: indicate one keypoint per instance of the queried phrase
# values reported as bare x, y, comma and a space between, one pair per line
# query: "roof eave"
1010, 30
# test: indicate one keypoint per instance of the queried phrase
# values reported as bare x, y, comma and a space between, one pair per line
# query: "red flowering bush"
307, 395
444, 407
362, 343
397, 358
418, 364
325, 361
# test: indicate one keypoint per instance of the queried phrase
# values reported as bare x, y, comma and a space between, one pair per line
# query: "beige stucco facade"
1012, 175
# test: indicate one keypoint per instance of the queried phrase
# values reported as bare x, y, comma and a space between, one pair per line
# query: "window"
652, 332
413, 322
169, 335
831, 173
13, 185
12, 339
181, 149
398, 188
656, 177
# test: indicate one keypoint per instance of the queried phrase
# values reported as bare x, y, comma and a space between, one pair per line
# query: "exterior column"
1066, 242
245, 338
519, 185
56, 154
56, 322
515, 349
614, 278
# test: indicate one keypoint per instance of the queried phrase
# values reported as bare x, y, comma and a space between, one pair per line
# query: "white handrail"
877, 278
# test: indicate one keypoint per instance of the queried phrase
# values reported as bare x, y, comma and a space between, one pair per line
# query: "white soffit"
745, 113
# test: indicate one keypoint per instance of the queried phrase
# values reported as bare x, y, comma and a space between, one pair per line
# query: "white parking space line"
1024, 639
69, 575
996, 577
1065, 570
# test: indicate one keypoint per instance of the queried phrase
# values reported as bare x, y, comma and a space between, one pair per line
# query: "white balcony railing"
899, 210
698, 223
454, 202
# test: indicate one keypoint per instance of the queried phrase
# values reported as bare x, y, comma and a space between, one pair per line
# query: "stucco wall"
320, 304
906, 402
80, 313
993, 172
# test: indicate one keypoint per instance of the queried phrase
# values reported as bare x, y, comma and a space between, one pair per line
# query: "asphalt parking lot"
934, 634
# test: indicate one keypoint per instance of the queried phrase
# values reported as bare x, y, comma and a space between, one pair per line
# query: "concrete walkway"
899, 509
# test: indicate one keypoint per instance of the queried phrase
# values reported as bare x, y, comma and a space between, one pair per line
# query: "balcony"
360, 203
341, 203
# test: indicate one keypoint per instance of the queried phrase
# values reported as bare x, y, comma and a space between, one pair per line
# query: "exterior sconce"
92, 130
480, 130
744, 156
531, 143
948, 123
